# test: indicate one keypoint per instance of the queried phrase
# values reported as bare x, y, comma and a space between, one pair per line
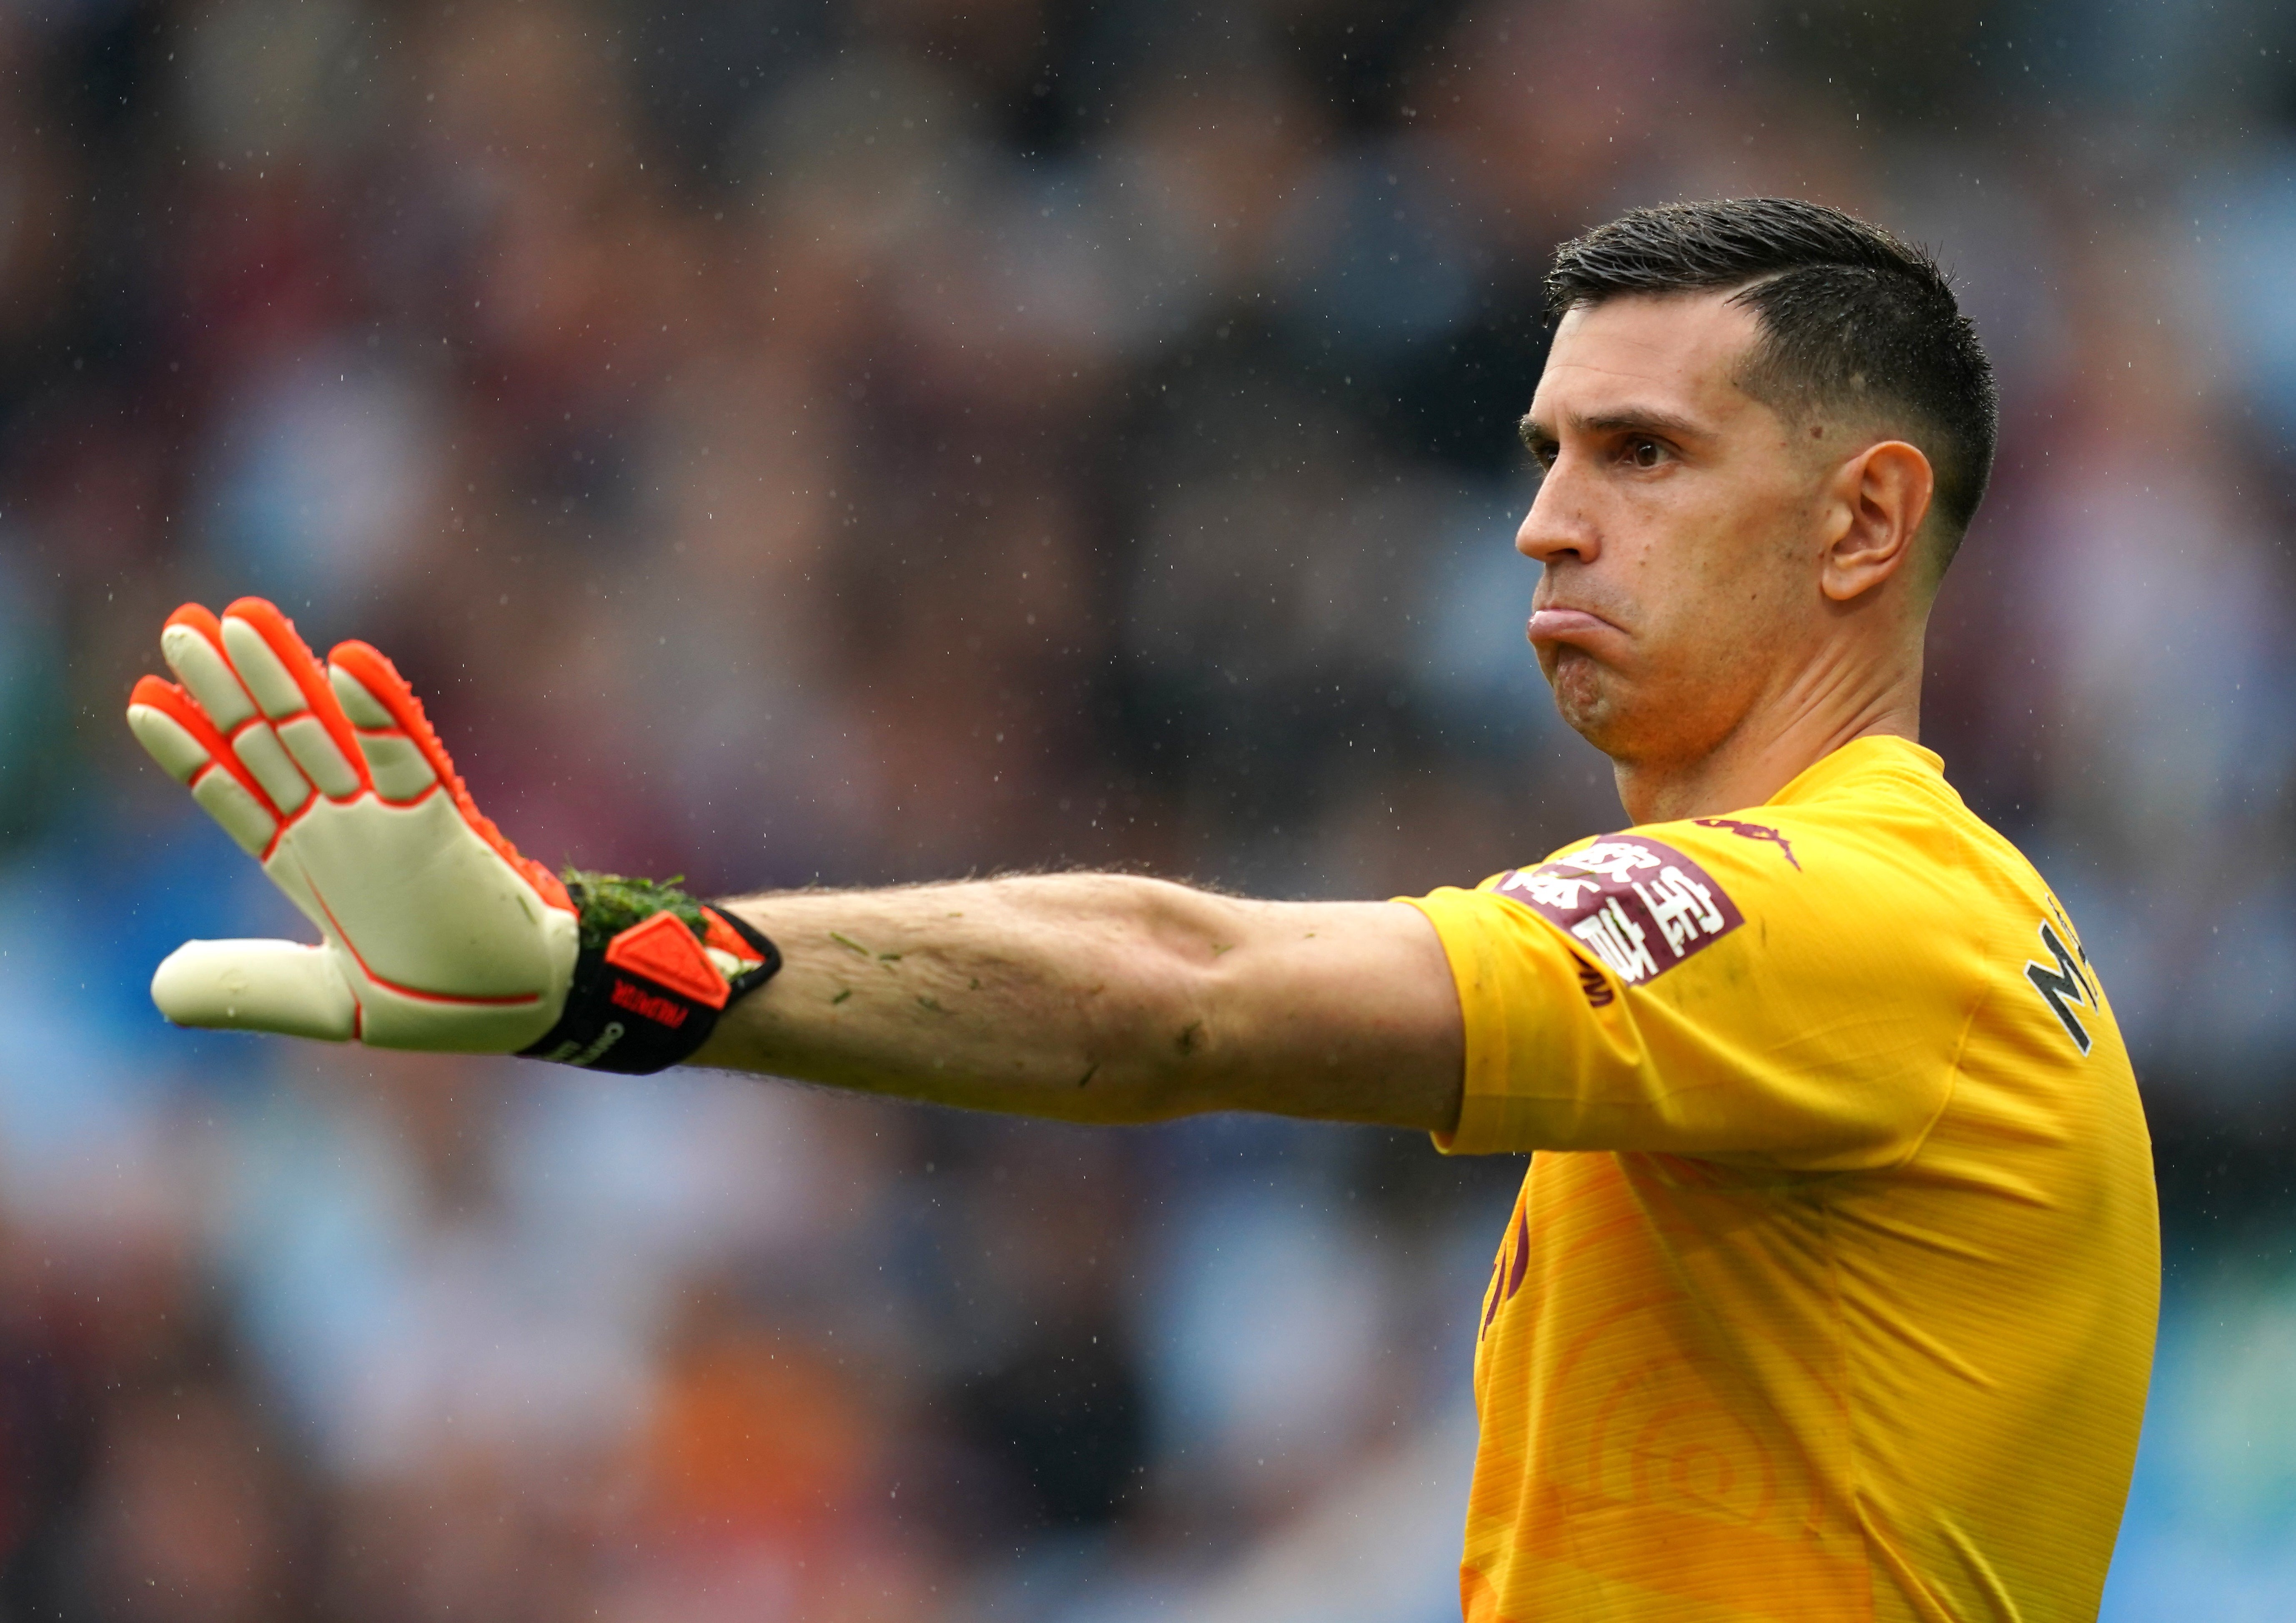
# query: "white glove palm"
437, 934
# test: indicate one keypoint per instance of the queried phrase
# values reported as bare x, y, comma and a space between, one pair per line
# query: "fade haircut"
1854, 321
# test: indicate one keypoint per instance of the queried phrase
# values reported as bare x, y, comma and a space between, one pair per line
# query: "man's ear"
1882, 495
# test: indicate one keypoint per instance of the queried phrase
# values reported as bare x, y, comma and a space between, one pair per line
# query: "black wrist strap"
637, 1004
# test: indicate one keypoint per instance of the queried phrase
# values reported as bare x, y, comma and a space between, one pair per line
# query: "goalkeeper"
1831, 1289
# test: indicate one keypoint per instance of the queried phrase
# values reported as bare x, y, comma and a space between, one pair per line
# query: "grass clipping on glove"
609, 904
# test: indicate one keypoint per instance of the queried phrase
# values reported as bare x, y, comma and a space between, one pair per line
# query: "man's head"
1765, 425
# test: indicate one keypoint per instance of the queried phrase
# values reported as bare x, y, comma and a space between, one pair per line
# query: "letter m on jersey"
2063, 988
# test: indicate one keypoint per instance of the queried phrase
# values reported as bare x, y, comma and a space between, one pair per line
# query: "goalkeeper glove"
437, 934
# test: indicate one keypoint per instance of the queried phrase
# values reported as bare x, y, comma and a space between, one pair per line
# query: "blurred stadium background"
792, 441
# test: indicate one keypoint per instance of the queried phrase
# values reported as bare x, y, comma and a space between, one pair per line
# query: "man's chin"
1584, 697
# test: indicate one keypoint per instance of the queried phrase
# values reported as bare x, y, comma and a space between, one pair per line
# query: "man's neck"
1791, 730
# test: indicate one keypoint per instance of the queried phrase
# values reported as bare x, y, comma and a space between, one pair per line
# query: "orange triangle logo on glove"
664, 951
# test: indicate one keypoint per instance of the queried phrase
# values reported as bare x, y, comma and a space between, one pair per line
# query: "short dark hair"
1852, 318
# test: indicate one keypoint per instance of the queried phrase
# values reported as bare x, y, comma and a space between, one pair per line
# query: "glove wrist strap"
648, 997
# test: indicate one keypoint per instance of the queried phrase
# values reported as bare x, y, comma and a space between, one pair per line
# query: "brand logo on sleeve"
1752, 831
1640, 906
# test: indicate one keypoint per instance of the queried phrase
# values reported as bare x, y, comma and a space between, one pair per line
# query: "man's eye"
1645, 453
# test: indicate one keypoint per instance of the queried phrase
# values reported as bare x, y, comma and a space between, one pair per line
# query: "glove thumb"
257, 986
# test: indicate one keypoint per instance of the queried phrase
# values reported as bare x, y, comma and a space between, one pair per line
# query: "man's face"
1677, 525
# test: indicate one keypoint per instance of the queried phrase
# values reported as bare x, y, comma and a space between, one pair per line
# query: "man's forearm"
1104, 998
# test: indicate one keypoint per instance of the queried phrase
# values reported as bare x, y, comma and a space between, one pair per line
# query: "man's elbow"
1166, 1043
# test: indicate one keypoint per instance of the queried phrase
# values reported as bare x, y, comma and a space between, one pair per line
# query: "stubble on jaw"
1637, 725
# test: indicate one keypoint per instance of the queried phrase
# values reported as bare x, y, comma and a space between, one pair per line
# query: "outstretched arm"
1091, 997
1106, 998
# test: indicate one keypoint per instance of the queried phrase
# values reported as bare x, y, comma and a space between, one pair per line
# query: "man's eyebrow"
1644, 420
1632, 420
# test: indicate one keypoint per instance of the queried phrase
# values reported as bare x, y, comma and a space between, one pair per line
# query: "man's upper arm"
1339, 1011
1687, 992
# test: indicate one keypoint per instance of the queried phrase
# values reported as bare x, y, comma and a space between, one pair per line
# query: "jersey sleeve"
1787, 997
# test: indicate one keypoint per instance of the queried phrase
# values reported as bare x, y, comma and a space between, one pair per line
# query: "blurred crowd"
793, 442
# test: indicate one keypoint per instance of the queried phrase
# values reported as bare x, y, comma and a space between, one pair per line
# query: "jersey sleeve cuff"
1476, 930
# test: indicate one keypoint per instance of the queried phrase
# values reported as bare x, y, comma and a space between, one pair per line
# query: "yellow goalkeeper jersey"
1831, 1291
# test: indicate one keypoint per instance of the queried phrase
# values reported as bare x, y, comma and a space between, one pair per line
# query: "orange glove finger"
192, 642
398, 762
278, 670
404, 756
176, 733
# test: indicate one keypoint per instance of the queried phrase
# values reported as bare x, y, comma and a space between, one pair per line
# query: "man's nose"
1557, 525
